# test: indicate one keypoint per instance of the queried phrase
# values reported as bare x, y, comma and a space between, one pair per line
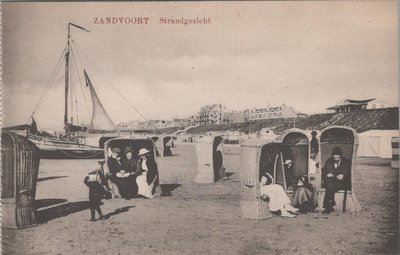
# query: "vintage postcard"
265, 127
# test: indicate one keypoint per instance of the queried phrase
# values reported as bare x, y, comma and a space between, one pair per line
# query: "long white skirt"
144, 188
277, 196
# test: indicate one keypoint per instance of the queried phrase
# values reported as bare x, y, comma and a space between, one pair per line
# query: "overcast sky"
309, 55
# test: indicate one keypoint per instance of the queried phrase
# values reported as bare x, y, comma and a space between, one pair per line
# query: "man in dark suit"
336, 175
114, 165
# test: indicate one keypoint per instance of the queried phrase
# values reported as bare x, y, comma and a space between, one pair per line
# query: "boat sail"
71, 144
101, 122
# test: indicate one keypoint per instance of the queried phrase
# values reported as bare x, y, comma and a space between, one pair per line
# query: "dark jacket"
344, 168
314, 145
96, 191
129, 165
113, 165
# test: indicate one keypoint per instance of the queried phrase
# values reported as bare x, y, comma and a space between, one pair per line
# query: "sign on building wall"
270, 113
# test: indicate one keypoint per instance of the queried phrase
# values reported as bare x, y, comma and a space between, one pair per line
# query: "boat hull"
71, 154
67, 150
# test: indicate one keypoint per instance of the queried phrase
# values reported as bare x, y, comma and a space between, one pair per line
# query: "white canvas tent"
376, 143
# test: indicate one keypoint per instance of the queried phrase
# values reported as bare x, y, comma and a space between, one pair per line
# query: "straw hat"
143, 151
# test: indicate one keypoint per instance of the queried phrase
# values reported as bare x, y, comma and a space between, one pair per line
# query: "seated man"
336, 175
114, 165
278, 200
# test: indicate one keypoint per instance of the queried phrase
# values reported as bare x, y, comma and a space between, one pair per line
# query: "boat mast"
67, 81
66, 126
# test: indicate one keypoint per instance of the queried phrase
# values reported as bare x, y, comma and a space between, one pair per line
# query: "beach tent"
209, 153
104, 139
376, 143
135, 145
347, 140
157, 145
257, 156
167, 145
19, 171
295, 147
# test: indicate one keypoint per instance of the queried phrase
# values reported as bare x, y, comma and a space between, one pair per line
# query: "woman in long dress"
148, 178
278, 200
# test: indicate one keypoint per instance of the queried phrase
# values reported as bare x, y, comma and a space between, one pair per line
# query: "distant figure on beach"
96, 193
278, 200
336, 175
218, 161
167, 148
314, 144
147, 181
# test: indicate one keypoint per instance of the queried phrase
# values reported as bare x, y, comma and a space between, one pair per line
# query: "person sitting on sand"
305, 196
148, 179
278, 200
96, 193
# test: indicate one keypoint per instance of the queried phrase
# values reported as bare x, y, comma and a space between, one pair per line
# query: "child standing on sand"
96, 193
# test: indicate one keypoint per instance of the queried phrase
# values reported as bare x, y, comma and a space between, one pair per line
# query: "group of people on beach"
335, 174
134, 176
137, 176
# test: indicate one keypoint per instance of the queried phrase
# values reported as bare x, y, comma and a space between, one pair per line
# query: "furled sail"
101, 122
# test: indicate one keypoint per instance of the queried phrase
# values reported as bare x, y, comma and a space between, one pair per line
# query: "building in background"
350, 105
268, 112
378, 104
209, 115
234, 117
302, 115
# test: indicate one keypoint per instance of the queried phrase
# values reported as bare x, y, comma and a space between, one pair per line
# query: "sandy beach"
202, 219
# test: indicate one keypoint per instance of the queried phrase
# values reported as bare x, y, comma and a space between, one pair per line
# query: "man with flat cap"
336, 175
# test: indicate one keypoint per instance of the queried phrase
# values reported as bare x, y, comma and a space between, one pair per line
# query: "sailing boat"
71, 144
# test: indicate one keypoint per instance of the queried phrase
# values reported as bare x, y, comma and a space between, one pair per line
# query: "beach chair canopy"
343, 137
166, 139
104, 139
295, 147
154, 138
209, 159
134, 144
257, 156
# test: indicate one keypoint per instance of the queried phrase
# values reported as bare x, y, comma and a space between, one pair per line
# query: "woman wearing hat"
129, 166
147, 181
